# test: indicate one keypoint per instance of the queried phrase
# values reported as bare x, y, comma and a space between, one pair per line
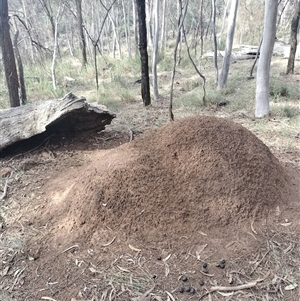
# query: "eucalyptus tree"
9, 63
229, 41
155, 48
145, 85
263, 69
81, 31
293, 38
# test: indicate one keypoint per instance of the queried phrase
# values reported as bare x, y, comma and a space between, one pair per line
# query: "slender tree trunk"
55, 50
181, 17
116, 36
195, 67
22, 89
215, 41
229, 41
149, 21
126, 28
294, 30
256, 58
163, 28
27, 26
201, 29
155, 48
135, 25
8, 56
81, 32
145, 87
263, 68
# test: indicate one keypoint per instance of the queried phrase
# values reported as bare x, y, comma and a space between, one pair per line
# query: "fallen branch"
70, 248
3, 196
233, 288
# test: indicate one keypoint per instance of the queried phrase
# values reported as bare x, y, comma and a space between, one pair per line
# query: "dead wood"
69, 114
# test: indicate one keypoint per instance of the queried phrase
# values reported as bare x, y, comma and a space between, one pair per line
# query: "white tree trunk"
229, 41
155, 48
263, 68
126, 27
149, 22
55, 51
215, 41
163, 36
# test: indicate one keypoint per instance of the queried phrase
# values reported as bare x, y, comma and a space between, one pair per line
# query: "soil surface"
96, 218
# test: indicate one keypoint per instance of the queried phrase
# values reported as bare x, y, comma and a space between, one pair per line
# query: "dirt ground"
177, 212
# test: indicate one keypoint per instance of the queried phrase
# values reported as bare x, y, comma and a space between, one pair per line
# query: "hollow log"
69, 114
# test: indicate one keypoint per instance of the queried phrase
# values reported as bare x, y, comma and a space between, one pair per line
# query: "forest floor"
137, 211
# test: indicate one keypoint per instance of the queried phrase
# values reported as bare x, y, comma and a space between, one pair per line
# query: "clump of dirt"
193, 174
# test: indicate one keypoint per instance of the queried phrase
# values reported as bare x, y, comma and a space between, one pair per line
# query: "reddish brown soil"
199, 189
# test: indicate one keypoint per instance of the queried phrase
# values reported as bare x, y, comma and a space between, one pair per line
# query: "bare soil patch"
87, 222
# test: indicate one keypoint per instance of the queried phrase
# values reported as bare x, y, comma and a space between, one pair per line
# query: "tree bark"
145, 87
263, 69
155, 48
56, 48
229, 41
22, 89
181, 17
81, 32
9, 62
135, 26
69, 114
293, 41
215, 41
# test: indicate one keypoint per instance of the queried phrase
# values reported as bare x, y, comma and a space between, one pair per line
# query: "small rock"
187, 289
184, 278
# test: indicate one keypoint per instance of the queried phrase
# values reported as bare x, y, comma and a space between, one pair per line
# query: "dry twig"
4, 191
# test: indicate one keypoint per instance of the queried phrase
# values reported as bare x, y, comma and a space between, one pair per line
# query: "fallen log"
69, 114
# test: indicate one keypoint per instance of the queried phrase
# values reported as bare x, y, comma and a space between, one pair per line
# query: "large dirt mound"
192, 174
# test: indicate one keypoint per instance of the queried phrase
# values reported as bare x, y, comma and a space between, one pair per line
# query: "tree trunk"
294, 29
143, 51
181, 17
263, 68
229, 41
155, 48
69, 114
55, 50
81, 33
163, 37
126, 27
8, 56
135, 25
215, 41
22, 95
148, 22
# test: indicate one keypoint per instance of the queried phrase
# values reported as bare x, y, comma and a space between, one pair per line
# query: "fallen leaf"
286, 224
170, 295
134, 249
291, 287
5, 271
123, 270
109, 243
168, 257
